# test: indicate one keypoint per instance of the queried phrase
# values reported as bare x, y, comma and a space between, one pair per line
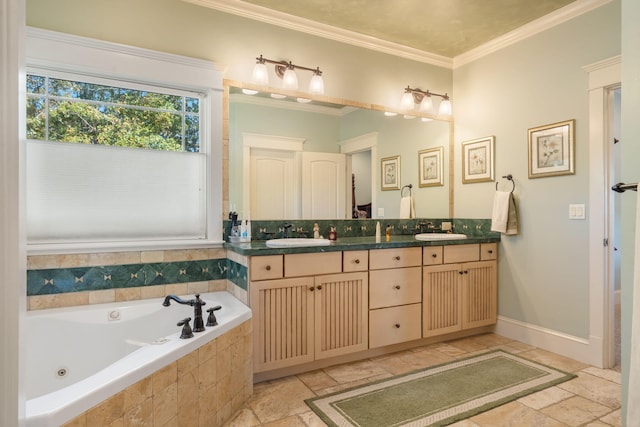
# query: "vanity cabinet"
461, 292
302, 319
395, 296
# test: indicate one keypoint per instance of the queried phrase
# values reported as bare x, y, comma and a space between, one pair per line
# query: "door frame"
603, 76
359, 144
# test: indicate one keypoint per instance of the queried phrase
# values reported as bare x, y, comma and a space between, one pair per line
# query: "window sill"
82, 248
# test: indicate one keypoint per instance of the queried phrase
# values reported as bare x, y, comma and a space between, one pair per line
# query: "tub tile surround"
204, 388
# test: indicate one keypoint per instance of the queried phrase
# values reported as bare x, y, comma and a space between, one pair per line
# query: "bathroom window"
124, 148
96, 111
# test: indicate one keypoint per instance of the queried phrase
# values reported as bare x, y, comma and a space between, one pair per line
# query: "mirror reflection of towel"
505, 215
407, 207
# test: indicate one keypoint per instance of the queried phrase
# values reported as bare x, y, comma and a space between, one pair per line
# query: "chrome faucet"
286, 227
196, 303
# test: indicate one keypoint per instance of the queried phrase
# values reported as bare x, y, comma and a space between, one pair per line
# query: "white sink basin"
297, 242
440, 236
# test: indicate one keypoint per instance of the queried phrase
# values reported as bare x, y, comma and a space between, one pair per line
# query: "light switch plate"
576, 211
380, 212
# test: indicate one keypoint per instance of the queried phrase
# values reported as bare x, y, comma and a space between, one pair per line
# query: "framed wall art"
552, 150
390, 173
430, 162
477, 160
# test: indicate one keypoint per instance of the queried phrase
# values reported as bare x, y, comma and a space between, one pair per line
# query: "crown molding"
539, 25
269, 16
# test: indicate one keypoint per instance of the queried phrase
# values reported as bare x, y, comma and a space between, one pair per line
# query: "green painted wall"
543, 271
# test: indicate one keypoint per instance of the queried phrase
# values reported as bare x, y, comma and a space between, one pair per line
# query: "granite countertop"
259, 247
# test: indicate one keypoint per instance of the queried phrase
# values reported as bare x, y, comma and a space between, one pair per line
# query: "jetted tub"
78, 357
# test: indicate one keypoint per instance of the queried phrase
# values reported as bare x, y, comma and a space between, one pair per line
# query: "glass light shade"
426, 106
406, 103
409, 117
249, 91
290, 80
303, 100
390, 114
316, 86
260, 75
445, 108
278, 96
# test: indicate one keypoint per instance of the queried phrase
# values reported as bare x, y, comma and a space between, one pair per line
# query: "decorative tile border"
237, 274
91, 278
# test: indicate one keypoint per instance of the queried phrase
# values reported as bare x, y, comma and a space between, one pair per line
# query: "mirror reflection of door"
323, 185
272, 184
361, 171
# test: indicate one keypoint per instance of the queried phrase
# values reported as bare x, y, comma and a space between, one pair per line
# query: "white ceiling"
441, 32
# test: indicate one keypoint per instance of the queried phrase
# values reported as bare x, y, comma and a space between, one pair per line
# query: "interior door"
323, 185
272, 184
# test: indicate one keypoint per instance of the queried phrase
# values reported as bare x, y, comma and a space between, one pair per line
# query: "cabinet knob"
460, 273
434, 255
466, 272
312, 289
397, 258
490, 251
397, 286
319, 287
356, 261
268, 268
397, 325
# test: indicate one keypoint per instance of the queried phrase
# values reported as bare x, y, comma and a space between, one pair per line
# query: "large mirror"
324, 159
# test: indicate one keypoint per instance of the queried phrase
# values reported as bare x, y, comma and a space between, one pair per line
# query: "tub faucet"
196, 303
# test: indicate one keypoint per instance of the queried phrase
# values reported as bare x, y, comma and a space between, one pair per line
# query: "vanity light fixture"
286, 71
412, 96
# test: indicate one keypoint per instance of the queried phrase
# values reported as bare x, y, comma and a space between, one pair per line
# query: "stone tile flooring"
593, 399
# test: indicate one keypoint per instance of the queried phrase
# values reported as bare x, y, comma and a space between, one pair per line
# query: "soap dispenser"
333, 235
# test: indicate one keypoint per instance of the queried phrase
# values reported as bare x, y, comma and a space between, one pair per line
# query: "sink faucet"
286, 228
196, 303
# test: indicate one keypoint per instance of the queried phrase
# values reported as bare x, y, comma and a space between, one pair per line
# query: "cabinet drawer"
461, 253
398, 286
355, 261
312, 264
431, 255
394, 325
393, 258
265, 267
488, 251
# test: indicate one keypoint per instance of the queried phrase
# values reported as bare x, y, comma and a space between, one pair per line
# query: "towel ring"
409, 186
510, 178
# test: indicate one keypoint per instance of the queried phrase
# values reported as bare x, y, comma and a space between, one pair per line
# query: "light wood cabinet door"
432, 255
282, 322
266, 267
341, 316
488, 251
441, 300
355, 261
312, 264
479, 294
394, 258
394, 325
397, 286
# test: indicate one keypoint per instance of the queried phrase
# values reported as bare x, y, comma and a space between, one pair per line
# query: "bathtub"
80, 356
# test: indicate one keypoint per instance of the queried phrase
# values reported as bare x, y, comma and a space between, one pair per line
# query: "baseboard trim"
584, 350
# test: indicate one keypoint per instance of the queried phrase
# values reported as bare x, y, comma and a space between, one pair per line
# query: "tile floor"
592, 399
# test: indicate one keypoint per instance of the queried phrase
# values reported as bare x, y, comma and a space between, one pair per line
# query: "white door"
272, 184
323, 185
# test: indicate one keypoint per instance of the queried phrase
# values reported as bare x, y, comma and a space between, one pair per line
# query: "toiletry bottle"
316, 231
243, 231
388, 233
333, 235
378, 232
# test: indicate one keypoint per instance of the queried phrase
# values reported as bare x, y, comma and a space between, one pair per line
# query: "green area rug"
438, 395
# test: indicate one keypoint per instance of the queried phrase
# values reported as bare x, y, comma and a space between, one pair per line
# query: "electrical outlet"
381, 212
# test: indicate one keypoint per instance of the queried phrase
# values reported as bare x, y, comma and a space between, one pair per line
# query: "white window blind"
86, 193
